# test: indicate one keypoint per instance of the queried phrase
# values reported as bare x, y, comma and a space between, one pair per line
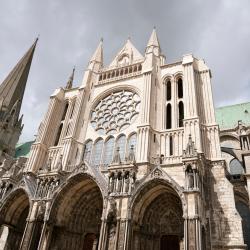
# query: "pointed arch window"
121, 141
65, 111
72, 108
132, 142
180, 88
168, 91
58, 135
181, 113
168, 116
87, 151
108, 151
97, 152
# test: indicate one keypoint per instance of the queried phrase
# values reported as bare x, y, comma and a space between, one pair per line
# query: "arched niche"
157, 217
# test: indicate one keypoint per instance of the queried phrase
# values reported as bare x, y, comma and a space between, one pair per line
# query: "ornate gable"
127, 55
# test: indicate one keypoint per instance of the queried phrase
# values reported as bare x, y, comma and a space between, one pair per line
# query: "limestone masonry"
133, 159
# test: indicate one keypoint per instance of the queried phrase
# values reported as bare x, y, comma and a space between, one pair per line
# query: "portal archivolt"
13, 216
77, 215
157, 218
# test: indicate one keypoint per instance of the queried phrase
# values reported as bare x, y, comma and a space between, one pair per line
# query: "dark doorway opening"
90, 242
170, 242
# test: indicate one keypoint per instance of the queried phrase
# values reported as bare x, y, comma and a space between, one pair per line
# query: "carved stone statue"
190, 149
126, 179
111, 183
131, 155
117, 157
190, 178
59, 163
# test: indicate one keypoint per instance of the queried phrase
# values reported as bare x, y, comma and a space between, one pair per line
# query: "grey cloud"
217, 31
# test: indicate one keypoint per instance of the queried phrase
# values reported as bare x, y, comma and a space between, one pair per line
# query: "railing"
171, 144
120, 73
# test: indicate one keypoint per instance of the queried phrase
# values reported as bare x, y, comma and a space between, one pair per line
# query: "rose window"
115, 112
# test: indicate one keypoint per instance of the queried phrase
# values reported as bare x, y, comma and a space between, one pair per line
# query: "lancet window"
103, 152
121, 141
171, 146
181, 113
87, 151
180, 88
59, 131
97, 152
169, 116
108, 151
168, 91
132, 142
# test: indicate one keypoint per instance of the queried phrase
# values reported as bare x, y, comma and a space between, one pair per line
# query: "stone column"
192, 234
46, 234
122, 238
192, 224
102, 238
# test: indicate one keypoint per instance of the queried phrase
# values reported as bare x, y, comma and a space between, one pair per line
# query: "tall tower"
11, 96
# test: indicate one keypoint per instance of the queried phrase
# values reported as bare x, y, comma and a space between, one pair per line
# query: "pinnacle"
98, 55
71, 79
153, 40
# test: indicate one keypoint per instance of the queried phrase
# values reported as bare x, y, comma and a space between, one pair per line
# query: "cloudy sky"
216, 30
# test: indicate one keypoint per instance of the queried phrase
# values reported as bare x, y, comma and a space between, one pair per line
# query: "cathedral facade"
133, 159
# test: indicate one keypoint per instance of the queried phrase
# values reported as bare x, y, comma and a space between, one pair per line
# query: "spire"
98, 55
71, 79
153, 40
13, 87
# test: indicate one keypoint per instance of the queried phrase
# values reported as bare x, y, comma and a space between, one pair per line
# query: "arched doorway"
77, 215
157, 218
13, 215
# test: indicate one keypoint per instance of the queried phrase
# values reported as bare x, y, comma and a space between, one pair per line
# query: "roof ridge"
237, 104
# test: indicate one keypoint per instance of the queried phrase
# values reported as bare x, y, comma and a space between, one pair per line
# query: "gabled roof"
227, 117
13, 87
130, 50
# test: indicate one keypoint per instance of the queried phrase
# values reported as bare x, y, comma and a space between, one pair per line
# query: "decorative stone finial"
71, 79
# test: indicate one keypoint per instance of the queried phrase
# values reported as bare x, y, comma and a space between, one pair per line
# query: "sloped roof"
227, 117
23, 149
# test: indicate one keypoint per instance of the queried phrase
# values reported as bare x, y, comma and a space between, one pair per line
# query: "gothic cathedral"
132, 159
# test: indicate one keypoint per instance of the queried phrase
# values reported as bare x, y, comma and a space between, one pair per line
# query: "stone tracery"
115, 112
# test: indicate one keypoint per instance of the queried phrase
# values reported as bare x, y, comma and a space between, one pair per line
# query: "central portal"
157, 218
170, 242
